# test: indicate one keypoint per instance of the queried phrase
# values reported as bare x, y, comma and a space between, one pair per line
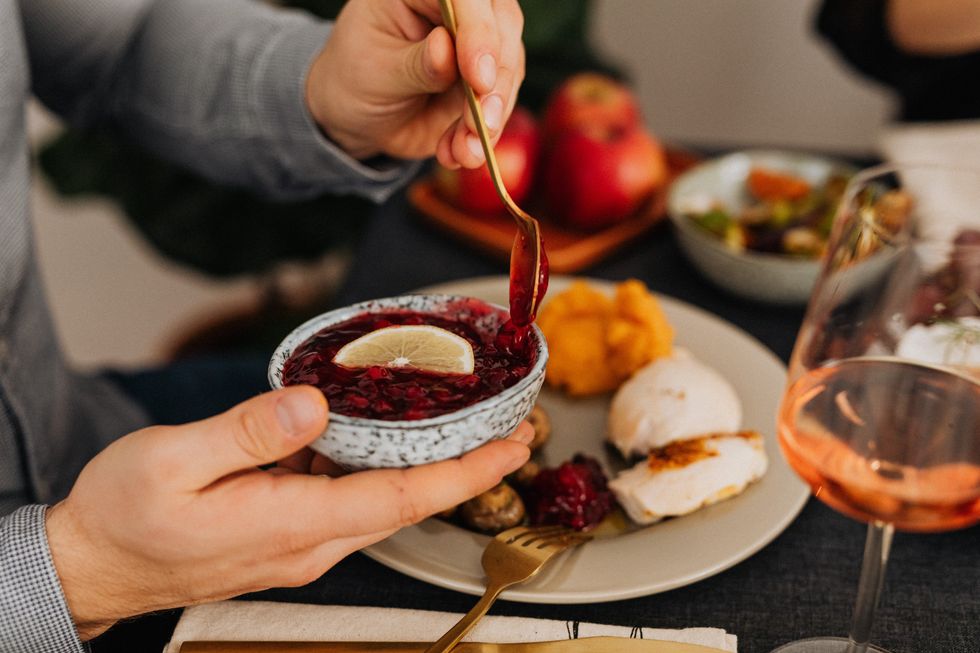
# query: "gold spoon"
527, 253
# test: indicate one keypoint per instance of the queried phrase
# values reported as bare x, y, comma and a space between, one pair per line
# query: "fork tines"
543, 536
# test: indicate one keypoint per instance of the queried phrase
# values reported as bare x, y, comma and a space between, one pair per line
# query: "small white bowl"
770, 278
362, 443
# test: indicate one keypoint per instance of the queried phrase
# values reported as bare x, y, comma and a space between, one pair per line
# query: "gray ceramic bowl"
770, 278
362, 443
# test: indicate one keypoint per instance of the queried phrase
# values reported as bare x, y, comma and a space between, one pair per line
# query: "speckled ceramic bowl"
362, 443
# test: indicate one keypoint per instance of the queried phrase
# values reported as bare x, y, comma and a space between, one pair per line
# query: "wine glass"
881, 414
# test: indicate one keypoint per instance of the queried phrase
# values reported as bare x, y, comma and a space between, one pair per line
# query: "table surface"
801, 585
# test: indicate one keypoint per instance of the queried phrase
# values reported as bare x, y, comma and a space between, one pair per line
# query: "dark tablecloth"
801, 585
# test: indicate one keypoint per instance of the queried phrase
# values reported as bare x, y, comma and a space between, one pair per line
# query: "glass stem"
876, 549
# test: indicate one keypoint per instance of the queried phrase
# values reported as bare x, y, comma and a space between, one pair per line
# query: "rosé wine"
882, 439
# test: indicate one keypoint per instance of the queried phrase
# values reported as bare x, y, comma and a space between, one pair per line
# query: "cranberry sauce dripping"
404, 393
513, 334
522, 304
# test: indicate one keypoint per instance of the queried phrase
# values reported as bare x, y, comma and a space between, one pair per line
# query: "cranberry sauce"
522, 300
575, 494
404, 393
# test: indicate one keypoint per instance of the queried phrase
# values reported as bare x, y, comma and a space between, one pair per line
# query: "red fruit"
593, 180
517, 154
575, 494
590, 101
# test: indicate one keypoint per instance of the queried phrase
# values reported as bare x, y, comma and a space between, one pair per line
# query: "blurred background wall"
709, 73
114, 299
732, 73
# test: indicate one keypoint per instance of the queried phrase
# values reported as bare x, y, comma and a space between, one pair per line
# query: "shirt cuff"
34, 615
310, 159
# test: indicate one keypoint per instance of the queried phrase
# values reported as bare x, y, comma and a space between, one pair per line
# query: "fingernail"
476, 148
298, 412
488, 71
493, 112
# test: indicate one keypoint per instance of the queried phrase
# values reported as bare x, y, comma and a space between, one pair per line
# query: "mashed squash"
595, 342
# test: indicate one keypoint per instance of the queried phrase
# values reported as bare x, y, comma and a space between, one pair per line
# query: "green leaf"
551, 25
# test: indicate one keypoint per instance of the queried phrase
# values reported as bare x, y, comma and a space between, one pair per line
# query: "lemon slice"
420, 346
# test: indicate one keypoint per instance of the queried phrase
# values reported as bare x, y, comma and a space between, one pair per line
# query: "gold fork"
512, 557
526, 253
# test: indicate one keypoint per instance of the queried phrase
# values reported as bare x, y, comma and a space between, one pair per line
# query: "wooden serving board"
569, 250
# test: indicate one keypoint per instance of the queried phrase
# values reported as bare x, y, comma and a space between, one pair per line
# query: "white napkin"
265, 621
944, 204
953, 143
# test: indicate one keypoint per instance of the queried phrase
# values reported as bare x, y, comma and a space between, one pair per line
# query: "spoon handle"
449, 18
526, 269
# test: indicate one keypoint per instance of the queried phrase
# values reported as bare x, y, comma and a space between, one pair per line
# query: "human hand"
387, 79
178, 515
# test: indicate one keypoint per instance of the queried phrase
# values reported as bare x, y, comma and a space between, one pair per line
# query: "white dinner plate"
657, 558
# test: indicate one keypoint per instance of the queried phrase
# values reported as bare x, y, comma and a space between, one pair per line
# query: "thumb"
429, 65
256, 432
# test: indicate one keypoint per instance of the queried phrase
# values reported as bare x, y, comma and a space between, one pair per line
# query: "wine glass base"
822, 645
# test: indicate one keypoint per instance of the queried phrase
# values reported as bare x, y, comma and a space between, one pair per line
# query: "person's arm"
244, 92
216, 86
936, 27
30, 594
